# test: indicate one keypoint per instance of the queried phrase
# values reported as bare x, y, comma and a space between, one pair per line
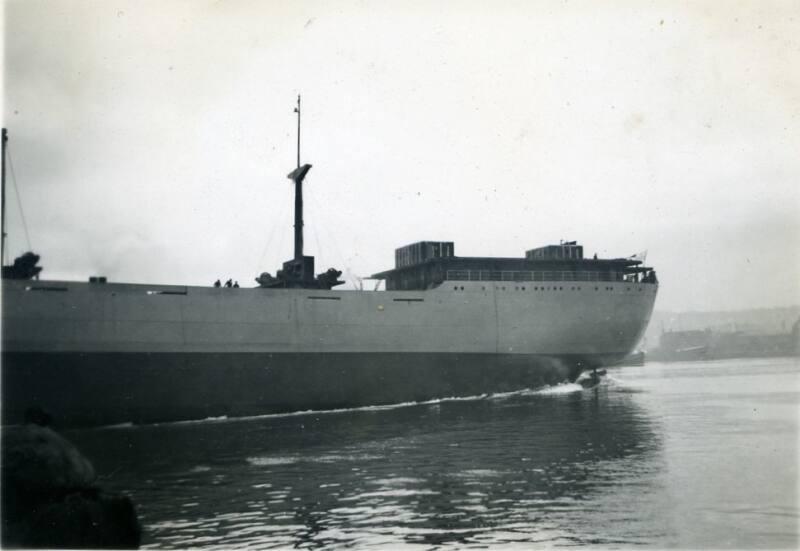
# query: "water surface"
687, 455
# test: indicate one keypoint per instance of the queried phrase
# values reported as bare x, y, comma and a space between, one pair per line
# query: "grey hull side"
86, 389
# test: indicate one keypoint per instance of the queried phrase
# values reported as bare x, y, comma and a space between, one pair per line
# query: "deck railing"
524, 275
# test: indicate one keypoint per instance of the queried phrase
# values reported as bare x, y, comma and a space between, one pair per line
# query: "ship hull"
92, 354
79, 389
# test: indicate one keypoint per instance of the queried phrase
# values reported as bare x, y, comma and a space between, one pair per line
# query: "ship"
99, 352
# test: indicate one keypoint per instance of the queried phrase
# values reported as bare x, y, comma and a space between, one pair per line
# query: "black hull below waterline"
91, 389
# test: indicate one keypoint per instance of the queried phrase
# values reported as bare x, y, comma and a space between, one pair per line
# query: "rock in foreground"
50, 498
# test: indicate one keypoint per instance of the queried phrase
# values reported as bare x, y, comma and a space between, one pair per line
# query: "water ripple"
651, 458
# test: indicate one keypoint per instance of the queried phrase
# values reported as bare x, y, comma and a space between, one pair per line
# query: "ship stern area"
572, 368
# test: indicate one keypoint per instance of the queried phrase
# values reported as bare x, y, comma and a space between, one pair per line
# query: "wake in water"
563, 388
621, 385
558, 389
583, 383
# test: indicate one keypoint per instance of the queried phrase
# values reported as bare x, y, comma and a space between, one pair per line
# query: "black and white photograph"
400, 275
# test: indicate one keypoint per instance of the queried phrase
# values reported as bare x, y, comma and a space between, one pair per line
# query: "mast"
301, 267
3, 213
298, 195
297, 110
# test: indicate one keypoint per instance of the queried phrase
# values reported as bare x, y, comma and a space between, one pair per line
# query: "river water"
686, 455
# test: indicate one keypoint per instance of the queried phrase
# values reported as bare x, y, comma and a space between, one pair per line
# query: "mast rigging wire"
316, 237
19, 201
321, 214
280, 227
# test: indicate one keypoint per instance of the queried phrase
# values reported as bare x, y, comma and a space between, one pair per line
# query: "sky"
150, 141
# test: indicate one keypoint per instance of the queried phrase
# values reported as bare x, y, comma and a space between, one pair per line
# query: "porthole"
462, 287
523, 288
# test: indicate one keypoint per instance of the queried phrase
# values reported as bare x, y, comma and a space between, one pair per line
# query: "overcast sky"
150, 141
